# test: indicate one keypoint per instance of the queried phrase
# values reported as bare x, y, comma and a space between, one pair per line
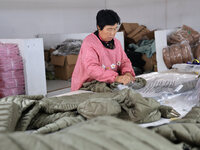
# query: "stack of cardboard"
151, 63
133, 32
64, 65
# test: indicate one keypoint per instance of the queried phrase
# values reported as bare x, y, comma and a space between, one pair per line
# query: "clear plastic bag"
192, 68
160, 86
183, 102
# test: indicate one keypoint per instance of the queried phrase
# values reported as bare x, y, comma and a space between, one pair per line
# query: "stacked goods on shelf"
177, 53
184, 46
11, 70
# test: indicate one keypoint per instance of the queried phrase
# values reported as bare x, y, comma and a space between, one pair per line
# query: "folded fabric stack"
11, 70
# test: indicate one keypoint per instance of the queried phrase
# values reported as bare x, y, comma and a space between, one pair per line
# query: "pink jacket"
95, 62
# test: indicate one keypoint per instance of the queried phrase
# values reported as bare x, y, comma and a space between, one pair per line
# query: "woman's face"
108, 32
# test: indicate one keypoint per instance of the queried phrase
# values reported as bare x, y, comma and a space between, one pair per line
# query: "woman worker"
101, 56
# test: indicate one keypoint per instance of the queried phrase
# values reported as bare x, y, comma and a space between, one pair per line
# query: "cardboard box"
128, 27
64, 66
46, 56
150, 63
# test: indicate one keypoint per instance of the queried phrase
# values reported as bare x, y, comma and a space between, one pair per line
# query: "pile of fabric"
11, 70
68, 47
83, 127
139, 47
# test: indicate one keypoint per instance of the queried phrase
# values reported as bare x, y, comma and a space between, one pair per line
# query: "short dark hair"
107, 17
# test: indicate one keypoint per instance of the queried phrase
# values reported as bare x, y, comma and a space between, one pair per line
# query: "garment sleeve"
126, 65
93, 67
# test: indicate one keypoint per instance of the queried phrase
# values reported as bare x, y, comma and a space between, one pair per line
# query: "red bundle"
12, 91
9, 49
11, 74
11, 70
11, 63
12, 82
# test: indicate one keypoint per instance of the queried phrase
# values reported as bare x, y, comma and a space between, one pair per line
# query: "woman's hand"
130, 75
124, 79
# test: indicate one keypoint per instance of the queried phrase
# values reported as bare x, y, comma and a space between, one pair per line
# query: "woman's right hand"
124, 79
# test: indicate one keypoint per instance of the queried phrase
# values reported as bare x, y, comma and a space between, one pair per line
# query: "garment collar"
109, 45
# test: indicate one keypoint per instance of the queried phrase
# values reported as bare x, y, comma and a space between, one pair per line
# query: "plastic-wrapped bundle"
187, 68
185, 33
197, 52
68, 47
9, 49
12, 83
11, 63
195, 35
11, 91
163, 85
177, 53
179, 36
11, 74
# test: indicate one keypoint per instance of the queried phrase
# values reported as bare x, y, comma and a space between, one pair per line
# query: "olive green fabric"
52, 114
39, 113
9, 115
97, 86
92, 108
181, 132
102, 133
134, 107
186, 129
138, 83
191, 117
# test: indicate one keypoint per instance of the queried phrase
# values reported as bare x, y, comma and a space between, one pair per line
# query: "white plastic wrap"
187, 68
162, 85
183, 102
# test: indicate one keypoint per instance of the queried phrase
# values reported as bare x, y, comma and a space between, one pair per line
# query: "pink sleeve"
93, 67
126, 65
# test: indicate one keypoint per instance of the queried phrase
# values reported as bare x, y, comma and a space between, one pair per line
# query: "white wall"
27, 18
